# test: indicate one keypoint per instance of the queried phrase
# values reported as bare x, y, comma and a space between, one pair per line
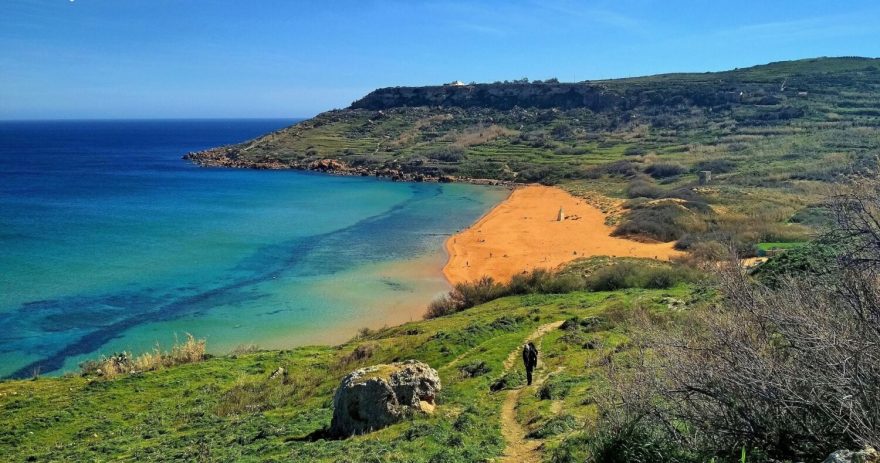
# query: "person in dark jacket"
530, 359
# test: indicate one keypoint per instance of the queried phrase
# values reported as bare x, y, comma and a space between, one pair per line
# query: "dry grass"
479, 135
190, 351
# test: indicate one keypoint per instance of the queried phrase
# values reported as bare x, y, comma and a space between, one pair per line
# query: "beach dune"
525, 232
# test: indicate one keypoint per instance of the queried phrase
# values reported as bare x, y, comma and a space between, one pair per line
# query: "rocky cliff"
500, 96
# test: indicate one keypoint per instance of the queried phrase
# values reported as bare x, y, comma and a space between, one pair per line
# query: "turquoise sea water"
110, 242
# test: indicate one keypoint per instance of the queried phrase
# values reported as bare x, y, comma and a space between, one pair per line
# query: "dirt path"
519, 449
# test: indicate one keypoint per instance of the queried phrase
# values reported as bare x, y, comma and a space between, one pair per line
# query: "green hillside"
228, 408
772, 136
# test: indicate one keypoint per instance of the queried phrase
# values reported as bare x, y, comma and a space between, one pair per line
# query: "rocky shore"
231, 157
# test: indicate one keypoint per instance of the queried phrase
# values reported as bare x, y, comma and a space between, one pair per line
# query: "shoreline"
522, 233
227, 157
447, 243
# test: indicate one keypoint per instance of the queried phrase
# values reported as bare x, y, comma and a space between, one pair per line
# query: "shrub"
631, 275
474, 369
643, 189
557, 387
248, 397
465, 296
544, 175
449, 153
562, 131
663, 170
812, 259
636, 443
508, 380
716, 166
661, 222
634, 150
543, 282
625, 169
554, 426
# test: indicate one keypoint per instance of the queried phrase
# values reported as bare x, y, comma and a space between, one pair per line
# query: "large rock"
867, 455
377, 396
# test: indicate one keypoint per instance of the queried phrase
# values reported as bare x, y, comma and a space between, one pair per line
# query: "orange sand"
522, 234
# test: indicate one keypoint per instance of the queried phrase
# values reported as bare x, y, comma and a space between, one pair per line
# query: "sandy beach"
523, 233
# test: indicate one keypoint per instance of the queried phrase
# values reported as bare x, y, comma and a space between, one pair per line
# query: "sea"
110, 242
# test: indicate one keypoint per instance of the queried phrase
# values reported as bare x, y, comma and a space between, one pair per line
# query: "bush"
554, 426
557, 387
631, 275
474, 369
509, 380
812, 259
465, 296
625, 169
643, 189
716, 166
634, 150
543, 282
636, 443
661, 222
447, 154
544, 175
663, 170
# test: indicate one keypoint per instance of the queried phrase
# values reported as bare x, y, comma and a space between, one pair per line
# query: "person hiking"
530, 359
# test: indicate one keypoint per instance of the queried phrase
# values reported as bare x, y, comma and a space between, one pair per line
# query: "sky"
110, 59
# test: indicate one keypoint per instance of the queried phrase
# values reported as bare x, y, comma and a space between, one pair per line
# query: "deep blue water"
110, 242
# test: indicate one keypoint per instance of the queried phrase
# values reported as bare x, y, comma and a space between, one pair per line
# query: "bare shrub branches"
791, 371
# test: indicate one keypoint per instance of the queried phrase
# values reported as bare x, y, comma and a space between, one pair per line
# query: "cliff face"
496, 96
764, 85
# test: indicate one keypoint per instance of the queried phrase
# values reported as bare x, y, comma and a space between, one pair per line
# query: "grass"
780, 246
228, 409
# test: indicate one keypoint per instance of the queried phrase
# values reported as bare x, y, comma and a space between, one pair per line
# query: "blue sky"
262, 58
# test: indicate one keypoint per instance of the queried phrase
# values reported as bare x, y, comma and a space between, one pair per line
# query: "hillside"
230, 409
772, 136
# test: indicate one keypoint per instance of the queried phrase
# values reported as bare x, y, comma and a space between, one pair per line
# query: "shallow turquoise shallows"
110, 242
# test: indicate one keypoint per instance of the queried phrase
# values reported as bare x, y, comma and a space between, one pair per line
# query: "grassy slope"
226, 409
773, 152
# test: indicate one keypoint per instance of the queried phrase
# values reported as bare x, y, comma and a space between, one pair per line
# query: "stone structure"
705, 177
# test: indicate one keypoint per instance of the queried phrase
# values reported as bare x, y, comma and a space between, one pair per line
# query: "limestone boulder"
373, 397
866, 455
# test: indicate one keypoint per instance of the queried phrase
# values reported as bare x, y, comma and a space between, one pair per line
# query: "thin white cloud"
590, 13
510, 18
805, 28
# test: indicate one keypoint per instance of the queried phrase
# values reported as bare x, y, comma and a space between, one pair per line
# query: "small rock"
866, 455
